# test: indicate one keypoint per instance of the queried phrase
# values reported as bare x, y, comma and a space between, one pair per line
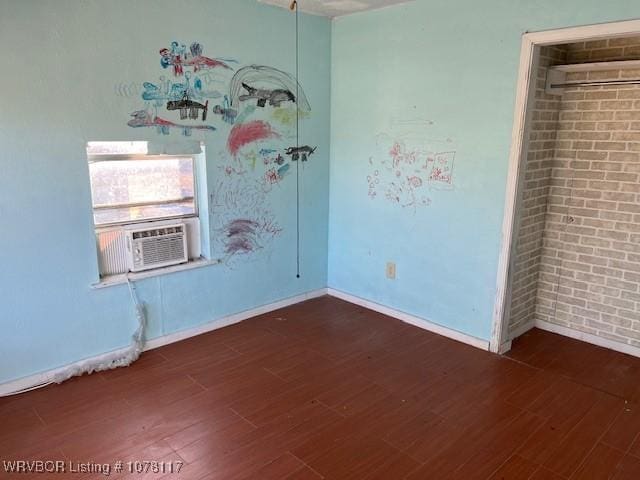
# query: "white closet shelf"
556, 75
597, 66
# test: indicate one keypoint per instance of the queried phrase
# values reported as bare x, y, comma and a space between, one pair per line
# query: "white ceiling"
335, 8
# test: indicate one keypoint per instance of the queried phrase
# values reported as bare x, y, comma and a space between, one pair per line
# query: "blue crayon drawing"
143, 118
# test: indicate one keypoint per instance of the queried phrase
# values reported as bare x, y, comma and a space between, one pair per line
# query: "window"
129, 186
135, 194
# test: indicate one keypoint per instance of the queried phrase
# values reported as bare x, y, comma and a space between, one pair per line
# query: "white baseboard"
37, 379
504, 347
588, 338
33, 381
411, 319
522, 329
231, 319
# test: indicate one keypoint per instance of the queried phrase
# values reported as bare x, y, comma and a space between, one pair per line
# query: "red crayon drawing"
245, 133
178, 57
406, 175
201, 62
442, 167
143, 118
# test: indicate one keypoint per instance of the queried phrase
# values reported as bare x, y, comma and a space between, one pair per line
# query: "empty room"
313, 239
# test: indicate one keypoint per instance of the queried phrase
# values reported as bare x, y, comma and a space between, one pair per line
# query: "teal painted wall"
440, 76
63, 64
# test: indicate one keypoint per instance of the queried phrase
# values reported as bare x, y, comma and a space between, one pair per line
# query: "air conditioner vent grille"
161, 250
156, 247
157, 232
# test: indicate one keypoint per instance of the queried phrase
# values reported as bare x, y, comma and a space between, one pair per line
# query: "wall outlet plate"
391, 270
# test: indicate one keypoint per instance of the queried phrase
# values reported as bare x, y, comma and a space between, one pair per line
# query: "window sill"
121, 278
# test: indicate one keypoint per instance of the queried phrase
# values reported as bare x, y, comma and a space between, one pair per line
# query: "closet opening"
570, 259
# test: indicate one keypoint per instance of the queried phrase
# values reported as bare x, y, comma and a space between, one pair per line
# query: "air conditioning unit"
157, 246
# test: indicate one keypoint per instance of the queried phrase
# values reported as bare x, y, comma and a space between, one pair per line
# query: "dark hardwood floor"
326, 389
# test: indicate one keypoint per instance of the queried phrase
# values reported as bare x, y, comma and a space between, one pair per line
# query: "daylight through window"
135, 187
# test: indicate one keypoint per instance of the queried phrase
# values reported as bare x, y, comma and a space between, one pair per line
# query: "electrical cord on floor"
106, 362
25, 390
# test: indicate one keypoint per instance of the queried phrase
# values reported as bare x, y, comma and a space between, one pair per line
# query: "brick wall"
534, 193
625, 48
589, 276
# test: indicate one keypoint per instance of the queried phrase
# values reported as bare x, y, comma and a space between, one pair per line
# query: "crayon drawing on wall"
407, 169
181, 101
254, 112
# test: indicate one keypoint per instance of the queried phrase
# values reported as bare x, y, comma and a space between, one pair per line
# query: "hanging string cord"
295, 5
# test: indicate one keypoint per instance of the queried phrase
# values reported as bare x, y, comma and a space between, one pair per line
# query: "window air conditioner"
154, 247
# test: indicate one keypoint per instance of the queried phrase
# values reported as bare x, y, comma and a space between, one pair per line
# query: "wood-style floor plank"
327, 389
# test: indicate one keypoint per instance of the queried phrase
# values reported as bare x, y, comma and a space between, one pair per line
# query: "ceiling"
335, 8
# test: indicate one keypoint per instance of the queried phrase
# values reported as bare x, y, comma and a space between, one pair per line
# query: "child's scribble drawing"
127, 89
275, 97
245, 133
404, 171
188, 108
177, 57
399, 154
266, 85
442, 167
243, 220
227, 113
276, 165
267, 151
275, 174
166, 90
254, 168
185, 95
143, 118
302, 152
288, 116
244, 236
246, 112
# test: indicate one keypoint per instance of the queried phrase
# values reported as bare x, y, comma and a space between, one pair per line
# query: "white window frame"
93, 158
197, 246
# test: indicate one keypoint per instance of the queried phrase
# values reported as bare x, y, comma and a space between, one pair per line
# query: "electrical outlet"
391, 270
